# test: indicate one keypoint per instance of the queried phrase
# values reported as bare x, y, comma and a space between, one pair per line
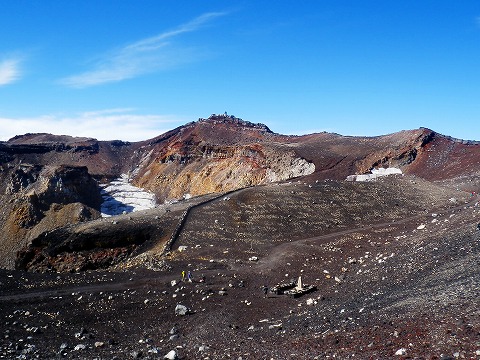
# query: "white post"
299, 283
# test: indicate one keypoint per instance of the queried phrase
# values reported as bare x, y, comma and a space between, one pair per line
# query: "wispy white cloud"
9, 71
141, 57
110, 124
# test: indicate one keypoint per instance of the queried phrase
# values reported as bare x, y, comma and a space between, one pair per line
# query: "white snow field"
120, 197
375, 173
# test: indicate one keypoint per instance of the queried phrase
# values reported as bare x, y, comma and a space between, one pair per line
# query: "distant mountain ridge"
222, 137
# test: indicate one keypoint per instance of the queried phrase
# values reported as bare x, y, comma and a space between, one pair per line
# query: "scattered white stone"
172, 355
421, 227
181, 310
401, 351
182, 248
253, 258
273, 326
203, 348
173, 282
99, 344
79, 347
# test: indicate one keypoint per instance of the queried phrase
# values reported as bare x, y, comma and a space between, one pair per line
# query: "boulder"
171, 355
181, 310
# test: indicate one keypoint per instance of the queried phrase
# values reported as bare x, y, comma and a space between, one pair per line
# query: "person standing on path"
265, 290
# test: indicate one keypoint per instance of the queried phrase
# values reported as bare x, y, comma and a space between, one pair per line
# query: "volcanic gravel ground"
404, 287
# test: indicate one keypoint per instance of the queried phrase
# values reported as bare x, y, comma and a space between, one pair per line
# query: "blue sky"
133, 69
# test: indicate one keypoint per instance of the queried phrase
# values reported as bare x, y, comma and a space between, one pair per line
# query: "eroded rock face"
23, 176
225, 169
42, 198
72, 248
38, 189
287, 167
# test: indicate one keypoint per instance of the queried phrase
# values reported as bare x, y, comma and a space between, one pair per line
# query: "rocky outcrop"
203, 169
43, 198
77, 248
35, 189
396, 154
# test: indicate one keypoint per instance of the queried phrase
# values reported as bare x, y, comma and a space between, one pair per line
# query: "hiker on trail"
183, 275
265, 290
189, 276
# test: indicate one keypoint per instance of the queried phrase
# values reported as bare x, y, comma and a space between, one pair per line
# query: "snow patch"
375, 173
120, 197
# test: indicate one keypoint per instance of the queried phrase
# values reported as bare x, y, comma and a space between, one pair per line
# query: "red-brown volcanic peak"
217, 130
421, 152
443, 157
217, 154
336, 156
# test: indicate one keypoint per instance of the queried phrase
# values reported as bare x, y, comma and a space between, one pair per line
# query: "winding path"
277, 254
